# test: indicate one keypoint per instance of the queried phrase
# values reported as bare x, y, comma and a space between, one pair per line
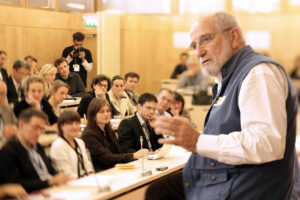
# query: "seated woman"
68, 153
34, 91
59, 92
101, 140
177, 108
119, 99
100, 85
48, 73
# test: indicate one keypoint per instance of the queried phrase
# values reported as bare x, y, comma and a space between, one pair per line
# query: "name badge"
76, 68
219, 101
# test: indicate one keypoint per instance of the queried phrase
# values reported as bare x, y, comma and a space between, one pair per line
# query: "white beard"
214, 68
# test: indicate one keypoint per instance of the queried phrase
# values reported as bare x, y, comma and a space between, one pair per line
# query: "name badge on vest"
219, 101
76, 67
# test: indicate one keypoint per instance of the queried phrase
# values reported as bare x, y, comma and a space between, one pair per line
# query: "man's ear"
235, 38
139, 106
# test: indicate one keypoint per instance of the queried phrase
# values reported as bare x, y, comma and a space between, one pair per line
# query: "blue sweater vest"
208, 179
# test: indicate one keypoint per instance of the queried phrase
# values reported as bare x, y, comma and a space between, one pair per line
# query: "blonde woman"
59, 92
48, 73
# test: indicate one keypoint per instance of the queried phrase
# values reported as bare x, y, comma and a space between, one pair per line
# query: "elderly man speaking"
247, 147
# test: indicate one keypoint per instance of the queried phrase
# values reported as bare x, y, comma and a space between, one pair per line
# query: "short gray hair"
33, 79
224, 21
21, 63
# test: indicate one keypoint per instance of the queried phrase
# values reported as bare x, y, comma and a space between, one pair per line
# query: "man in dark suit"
131, 80
23, 160
14, 92
3, 72
132, 128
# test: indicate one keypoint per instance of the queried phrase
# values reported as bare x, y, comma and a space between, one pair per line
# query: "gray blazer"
8, 118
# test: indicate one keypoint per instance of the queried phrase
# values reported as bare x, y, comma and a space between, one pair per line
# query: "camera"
76, 53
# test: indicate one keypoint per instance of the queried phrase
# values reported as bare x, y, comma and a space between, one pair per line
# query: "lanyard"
80, 163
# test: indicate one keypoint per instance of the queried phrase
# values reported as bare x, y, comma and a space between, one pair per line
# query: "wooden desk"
123, 181
69, 104
170, 84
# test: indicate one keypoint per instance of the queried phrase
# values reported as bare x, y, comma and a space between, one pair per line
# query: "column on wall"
108, 44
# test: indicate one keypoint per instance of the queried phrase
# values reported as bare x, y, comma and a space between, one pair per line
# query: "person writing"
247, 147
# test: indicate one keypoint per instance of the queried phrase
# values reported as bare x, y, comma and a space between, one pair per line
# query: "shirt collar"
142, 122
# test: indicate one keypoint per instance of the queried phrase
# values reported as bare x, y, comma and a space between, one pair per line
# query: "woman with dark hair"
101, 140
177, 107
100, 85
68, 153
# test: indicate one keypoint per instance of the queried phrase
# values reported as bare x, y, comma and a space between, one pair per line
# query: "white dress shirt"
262, 104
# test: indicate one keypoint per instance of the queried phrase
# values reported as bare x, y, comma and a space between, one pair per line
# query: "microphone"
147, 172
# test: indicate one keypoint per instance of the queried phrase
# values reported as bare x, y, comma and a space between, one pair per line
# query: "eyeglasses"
102, 85
206, 39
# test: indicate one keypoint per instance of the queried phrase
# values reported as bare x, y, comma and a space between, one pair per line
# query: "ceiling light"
76, 6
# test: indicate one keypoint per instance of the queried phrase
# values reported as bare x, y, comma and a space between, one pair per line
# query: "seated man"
131, 80
23, 160
8, 119
14, 92
164, 99
181, 67
193, 79
71, 78
132, 128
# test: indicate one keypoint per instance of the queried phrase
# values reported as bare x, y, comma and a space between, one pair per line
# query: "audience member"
164, 99
131, 80
119, 99
34, 91
177, 108
34, 68
14, 89
193, 79
181, 67
101, 140
59, 92
100, 85
8, 121
79, 58
68, 153
132, 128
48, 72
71, 78
3, 72
23, 159
12, 190
296, 71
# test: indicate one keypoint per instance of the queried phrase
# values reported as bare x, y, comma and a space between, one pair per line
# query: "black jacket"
86, 100
16, 166
52, 118
105, 150
12, 94
130, 131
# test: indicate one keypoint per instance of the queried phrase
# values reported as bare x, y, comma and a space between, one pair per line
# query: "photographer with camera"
79, 59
